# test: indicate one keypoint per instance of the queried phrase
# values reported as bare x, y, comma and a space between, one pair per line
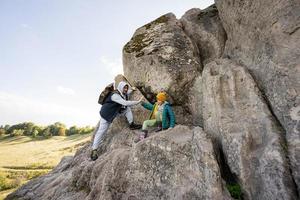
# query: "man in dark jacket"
115, 104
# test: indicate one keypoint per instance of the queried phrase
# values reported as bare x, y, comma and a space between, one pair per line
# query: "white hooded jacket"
120, 98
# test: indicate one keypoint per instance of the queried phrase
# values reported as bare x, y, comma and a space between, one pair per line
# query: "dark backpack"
104, 94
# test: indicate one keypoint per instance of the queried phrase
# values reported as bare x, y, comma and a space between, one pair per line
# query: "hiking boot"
142, 136
134, 126
94, 155
159, 127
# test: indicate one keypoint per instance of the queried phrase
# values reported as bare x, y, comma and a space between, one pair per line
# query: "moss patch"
140, 41
137, 43
209, 12
162, 19
235, 191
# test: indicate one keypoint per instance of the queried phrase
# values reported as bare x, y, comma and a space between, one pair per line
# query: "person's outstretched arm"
118, 99
148, 106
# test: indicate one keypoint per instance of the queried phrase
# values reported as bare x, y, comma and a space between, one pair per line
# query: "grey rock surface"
236, 114
163, 58
232, 69
205, 29
264, 36
173, 164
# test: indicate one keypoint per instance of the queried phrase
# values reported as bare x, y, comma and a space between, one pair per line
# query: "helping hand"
141, 99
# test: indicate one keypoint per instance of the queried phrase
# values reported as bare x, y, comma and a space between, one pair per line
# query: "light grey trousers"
104, 125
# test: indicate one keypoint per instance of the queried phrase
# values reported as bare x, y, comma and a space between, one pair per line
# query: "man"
115, 104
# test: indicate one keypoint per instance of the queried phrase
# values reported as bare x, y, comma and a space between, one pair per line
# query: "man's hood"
121, 86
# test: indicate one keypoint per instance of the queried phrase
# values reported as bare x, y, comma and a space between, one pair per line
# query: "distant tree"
2, 131
54, 128
39, 130
6, 127
28, 128
73, 130
61, 131
35, 133
20, 126
86, 130
46, 132
17, 132
59, 124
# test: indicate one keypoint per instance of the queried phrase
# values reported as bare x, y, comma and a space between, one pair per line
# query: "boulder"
173, 164
236, 115
161, 57
264, 36
205, 29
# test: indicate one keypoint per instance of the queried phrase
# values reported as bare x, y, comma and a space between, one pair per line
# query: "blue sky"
56, 55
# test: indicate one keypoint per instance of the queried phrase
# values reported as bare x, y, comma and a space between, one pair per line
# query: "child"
161, 115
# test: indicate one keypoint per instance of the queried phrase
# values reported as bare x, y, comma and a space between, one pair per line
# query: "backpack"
104, 94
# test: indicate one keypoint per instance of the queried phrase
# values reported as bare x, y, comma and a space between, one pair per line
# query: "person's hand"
133, 88
141, 99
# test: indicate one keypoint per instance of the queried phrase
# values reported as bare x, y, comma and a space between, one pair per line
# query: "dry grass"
31, 153
23, 158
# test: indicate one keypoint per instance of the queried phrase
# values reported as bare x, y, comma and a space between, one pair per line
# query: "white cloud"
114, 66
25, 26
65, 90
16, 109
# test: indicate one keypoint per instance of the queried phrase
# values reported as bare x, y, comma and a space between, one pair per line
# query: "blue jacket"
168, 116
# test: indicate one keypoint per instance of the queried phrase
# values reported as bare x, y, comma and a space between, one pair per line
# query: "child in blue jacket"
161, 115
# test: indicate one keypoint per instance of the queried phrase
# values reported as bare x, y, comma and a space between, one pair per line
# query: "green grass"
6, 183
23, 158
10, 180
235, 191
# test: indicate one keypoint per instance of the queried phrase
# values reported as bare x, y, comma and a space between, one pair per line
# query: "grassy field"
23, 158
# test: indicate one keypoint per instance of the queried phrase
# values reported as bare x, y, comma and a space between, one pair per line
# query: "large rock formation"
264, 36
232, 68
236, 114
163, 57
205, 29
177, 164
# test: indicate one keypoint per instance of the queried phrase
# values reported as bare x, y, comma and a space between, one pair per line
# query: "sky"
57, 55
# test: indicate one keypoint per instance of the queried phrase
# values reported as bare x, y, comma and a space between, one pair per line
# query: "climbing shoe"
159, 127
142, 136
134, 126
94, 155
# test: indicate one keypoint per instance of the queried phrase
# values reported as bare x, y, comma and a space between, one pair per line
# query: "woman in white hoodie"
115, 104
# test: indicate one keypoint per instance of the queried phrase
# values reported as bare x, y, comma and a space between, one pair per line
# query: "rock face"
176, 164
205, 29
232, 69
237, 116
163, 57
264, 36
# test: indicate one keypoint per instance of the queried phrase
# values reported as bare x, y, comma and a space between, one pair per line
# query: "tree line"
33, 130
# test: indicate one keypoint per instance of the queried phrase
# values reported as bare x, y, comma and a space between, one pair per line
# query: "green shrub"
56, 129
17, 132
235, 191
73, 130
2, 131
6, 184
35, 133
61, 131
47, 133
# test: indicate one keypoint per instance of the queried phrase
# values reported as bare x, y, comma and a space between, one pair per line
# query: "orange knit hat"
161, 96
